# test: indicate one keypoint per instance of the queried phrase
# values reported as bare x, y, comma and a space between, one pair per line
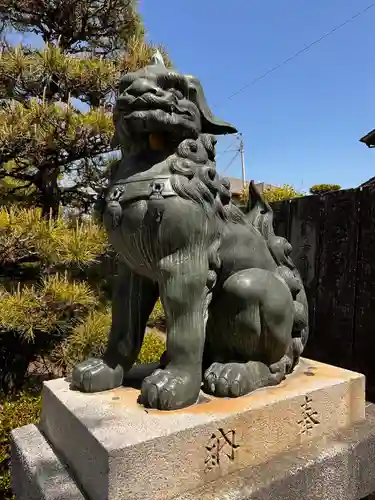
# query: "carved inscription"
221, 446
309, 417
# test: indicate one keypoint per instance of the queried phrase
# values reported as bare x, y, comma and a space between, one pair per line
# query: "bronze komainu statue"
236, 310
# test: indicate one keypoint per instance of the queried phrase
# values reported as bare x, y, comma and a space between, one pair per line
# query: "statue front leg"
184, 295
133, 300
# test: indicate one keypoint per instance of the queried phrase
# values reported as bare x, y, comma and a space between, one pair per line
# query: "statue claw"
94, 375
284, 366
226, 380
237, 379
170, 389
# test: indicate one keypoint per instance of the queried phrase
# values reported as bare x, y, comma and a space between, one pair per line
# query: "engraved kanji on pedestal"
309, 417
221, 446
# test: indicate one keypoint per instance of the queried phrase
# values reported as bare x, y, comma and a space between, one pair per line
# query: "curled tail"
260, 215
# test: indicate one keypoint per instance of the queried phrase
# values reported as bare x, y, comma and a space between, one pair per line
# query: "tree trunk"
49, 191
15, 357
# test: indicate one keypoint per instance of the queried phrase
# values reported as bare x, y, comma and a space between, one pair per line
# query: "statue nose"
143, 86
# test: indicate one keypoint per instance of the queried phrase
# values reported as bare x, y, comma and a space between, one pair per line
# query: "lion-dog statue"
235, 306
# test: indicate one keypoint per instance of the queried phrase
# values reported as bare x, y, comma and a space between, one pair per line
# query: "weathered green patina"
236, 310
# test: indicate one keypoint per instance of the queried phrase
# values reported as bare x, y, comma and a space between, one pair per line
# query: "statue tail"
259, 213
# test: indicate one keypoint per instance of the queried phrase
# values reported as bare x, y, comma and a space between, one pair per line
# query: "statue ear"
210, 124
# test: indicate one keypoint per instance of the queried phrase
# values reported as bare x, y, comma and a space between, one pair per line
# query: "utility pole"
242, 161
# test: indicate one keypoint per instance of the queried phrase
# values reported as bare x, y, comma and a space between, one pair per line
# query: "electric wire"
231, 162
301, 51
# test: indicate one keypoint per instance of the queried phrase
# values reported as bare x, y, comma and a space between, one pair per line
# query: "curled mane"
194, 175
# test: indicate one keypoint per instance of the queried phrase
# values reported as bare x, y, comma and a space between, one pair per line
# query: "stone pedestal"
106, 446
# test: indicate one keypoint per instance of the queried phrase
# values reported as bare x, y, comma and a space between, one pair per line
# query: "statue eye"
177, 93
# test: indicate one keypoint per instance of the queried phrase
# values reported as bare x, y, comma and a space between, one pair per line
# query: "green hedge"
25, 409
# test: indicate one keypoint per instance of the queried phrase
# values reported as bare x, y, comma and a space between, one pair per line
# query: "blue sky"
301, 124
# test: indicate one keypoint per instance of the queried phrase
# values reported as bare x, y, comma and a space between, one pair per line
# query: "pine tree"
55, 118
55, 144
48, 285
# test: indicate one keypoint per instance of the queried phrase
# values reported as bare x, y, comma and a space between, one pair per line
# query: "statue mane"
194, 177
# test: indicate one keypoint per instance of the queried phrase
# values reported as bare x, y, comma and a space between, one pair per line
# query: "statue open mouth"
150, 102
156, 99
148, 113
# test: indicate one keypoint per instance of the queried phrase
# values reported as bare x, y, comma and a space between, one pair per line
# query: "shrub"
274, 193
324, 188
157, 317
279, 193
89, 338
152, 348
14, 413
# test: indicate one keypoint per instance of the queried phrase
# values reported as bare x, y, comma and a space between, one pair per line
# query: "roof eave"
369, 139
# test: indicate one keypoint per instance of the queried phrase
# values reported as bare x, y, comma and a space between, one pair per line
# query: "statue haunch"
235, 306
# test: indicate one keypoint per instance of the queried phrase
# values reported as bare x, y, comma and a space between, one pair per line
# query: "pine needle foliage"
80, 26
157, 317
25, 408
14, 191
89, 338
53, 300
31, 135
152, 348
44, 287
25, 237
55, 152
55, 114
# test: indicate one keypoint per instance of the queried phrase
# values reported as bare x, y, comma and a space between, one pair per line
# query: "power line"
304, 49
226, 150
219, 153
230, 163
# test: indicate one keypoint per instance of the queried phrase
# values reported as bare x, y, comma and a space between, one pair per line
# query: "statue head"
158, 100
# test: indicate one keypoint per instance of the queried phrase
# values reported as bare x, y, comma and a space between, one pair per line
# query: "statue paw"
94, 375
237, 379
170, 389
282, 367
227, 380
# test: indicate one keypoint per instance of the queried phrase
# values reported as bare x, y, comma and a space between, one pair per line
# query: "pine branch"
53, 305
25, 233
41, 133
51, 132
25, 74
14, 189
78, 25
